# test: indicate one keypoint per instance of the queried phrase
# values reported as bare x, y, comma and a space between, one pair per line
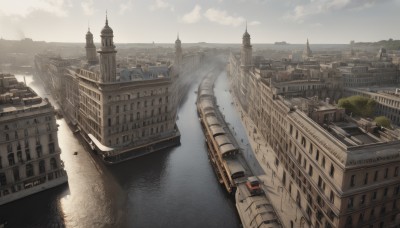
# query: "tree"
383, 121
358, 105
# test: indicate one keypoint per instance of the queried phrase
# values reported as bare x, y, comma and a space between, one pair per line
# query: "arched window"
7, 137
11, 160
42, 168
53, 163
29, 170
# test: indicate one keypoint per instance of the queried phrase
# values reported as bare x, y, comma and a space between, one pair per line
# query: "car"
253, 185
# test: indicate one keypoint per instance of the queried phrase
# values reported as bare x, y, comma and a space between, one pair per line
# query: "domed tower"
107, 53
178, 54
91, 54
247, 50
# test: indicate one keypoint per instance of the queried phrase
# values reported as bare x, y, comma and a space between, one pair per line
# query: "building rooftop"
349, 131
15, 97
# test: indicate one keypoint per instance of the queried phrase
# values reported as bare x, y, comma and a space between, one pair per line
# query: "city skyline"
337, 21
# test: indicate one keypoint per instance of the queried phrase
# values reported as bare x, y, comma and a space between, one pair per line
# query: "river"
171, 188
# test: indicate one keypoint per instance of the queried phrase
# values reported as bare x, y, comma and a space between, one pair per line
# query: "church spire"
106, 18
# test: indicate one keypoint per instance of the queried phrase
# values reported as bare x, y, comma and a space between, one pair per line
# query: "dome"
106, 30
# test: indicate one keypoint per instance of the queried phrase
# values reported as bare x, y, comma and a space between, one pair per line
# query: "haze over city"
337, 21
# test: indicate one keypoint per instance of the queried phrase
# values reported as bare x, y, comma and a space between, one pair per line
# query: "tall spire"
177, 37
106, 18
246, 25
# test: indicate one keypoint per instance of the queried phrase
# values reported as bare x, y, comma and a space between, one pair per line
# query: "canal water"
170, 188
232, 118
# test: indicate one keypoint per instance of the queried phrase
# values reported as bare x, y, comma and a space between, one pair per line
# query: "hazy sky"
220, 21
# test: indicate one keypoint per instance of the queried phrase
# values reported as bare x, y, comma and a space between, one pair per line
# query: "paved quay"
278, 195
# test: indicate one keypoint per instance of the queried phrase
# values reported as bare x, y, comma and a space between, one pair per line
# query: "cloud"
253, 23
193, 16
222, 17
125, 6
161, 4
88, 7
55, 7
315, 7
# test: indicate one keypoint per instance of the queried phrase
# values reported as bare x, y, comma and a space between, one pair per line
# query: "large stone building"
122, 111
125, 113
29, 152
339, 171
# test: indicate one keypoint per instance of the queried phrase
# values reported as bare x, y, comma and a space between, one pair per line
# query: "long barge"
228, 163
221, 146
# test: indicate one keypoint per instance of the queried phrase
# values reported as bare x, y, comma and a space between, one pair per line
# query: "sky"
218, 21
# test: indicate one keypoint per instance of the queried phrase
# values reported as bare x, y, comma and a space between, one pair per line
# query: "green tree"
358, 105
383, 121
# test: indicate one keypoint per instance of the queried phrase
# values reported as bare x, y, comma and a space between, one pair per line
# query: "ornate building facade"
339, 171
29, 152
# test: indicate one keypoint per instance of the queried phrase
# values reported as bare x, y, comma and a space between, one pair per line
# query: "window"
117, 109
332, 172
376, 175
19, 156
352, 180
323, 162
386, 172
374, 195
3, 179
396, 171
319, 182
361, 218
53, 163
332, 197
372, 214
366, 178
362, 200
350, 202
42, 168
11, 160
310, 170
385, 191
51, 148
29, 170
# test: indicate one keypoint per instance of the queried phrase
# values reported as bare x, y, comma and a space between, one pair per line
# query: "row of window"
27, 133
29, 171
131, 138
20, 159
373, 196
387, 173
16, 125
138, 95
131, 107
